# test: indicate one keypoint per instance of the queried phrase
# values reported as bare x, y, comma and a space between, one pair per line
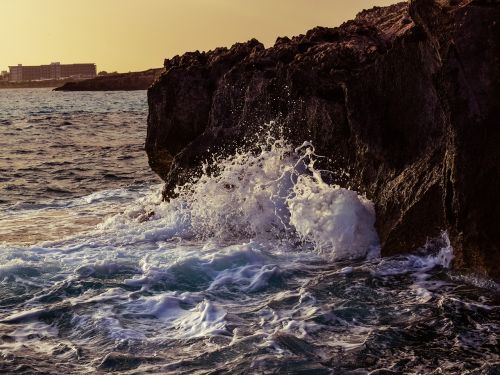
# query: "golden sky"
130, 35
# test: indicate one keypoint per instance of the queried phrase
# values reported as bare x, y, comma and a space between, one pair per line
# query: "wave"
274, 194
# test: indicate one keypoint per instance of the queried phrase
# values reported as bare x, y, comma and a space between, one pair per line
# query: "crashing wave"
274, 194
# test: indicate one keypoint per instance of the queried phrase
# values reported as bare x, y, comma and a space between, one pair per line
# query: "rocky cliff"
406, 98
115, 82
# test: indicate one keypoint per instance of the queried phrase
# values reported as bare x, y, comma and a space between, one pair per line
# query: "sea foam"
273, 194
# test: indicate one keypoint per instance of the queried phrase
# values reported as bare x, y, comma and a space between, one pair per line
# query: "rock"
405, 98
115, 82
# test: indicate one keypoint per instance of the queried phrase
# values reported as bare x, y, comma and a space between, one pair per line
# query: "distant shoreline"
35, 84
110, 82
115, 82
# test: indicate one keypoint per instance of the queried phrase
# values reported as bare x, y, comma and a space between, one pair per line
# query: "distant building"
54, 71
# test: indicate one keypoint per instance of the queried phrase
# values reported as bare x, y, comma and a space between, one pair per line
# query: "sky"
133, 35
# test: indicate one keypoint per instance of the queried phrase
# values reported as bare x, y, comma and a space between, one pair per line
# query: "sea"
256, 266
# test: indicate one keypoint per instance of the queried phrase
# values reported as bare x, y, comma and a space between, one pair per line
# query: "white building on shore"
54, 71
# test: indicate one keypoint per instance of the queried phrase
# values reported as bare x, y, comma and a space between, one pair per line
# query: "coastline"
115, 82
35, 84
112, 82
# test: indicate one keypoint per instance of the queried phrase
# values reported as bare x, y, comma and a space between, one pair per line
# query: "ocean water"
259, 267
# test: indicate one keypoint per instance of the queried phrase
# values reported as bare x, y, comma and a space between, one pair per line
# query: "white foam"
338, 221
183, 315
272, 195
251, 278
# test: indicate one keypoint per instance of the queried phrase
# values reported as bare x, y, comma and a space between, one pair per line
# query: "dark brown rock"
406, 98
115, 82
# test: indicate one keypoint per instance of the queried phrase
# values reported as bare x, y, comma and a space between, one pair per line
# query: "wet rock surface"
404, 98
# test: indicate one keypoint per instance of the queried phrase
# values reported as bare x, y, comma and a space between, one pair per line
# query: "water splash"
273, 194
